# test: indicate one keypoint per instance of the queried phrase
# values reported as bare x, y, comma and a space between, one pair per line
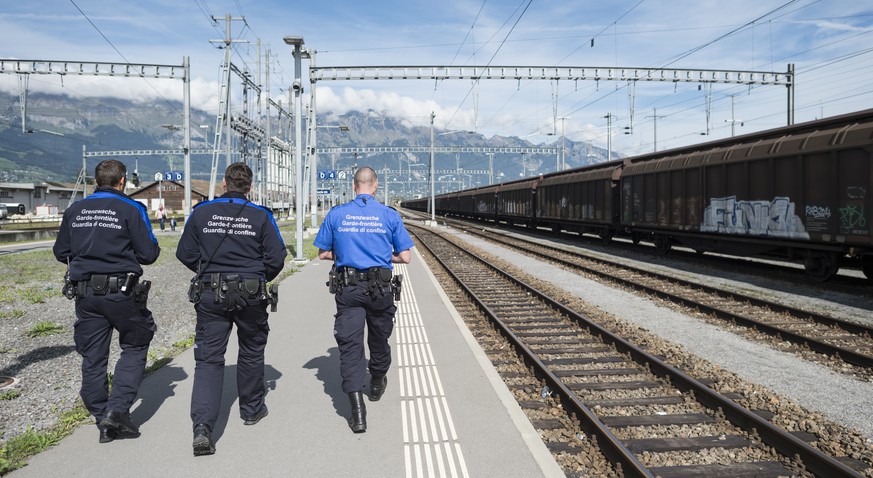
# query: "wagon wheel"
662, 243
821, 266
606, 238
635, 237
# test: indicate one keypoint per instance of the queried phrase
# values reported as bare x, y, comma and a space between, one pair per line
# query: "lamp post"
563, 161
608, 136
297, 43
432, 193
733, 121
655, 122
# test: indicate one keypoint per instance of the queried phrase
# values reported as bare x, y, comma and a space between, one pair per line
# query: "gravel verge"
47, 369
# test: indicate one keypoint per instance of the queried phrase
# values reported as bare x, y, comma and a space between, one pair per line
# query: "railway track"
646, 417
839, 339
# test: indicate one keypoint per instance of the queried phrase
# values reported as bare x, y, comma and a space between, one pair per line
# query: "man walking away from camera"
363, 238
234, 248
104, 239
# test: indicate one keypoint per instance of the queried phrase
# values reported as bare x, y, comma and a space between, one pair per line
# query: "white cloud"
414, 111
204, 94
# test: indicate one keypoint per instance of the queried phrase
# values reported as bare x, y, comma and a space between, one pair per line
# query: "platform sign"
327, 174
169, 176
323, 192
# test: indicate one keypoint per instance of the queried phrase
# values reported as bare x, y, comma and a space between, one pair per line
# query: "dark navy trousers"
355, 308
210, 344
96, 317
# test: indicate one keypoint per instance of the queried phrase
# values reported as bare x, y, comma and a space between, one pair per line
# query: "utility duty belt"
352, 276
231, 290
378, 279
102, 284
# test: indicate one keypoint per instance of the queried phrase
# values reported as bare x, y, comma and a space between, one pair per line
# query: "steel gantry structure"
96, 68
570, 73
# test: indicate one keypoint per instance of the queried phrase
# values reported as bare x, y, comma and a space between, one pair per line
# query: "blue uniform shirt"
363, 233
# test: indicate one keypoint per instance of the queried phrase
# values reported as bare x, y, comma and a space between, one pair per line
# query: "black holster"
69, 289
195, 289
397, 285
141, 293
273, 296
333, 281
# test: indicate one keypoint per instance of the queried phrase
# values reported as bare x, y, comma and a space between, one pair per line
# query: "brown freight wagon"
804, 194
582, 201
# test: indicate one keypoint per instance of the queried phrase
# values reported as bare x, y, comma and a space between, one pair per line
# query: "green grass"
158, 364
33, 295
10, 394
30, 267
168, 243
16, 451
11, 314
43, 329
184, 344
29, 277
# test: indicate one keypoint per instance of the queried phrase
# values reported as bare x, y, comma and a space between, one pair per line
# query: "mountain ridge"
59, 127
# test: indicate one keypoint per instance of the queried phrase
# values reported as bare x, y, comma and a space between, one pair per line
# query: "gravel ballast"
813, 386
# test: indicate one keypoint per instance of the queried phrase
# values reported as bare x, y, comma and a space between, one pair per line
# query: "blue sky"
828, 41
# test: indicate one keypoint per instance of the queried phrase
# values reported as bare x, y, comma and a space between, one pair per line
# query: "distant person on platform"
234, 248
161, 216
363, 238
104, 239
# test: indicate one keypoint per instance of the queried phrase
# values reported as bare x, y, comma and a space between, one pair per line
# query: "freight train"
802, 192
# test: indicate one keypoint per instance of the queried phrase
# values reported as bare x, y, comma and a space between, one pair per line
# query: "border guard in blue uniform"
104, 238
364, 238
235, 248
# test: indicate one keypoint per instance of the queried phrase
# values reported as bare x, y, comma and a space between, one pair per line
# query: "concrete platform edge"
529, 435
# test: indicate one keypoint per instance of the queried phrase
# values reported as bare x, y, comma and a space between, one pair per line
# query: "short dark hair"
109, 172
238, 178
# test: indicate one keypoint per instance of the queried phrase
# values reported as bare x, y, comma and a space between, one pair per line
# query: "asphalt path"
25, 246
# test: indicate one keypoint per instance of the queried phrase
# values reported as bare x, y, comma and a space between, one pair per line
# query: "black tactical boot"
257, 417
377, 387
106, 435
203, 444
358, 421
118, 424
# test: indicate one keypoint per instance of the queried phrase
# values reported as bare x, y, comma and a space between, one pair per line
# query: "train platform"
446, 412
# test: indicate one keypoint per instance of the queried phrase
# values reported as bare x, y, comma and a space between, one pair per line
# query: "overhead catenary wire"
122, 55
463, 100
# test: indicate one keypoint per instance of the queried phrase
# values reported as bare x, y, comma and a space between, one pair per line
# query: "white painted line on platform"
430, 441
